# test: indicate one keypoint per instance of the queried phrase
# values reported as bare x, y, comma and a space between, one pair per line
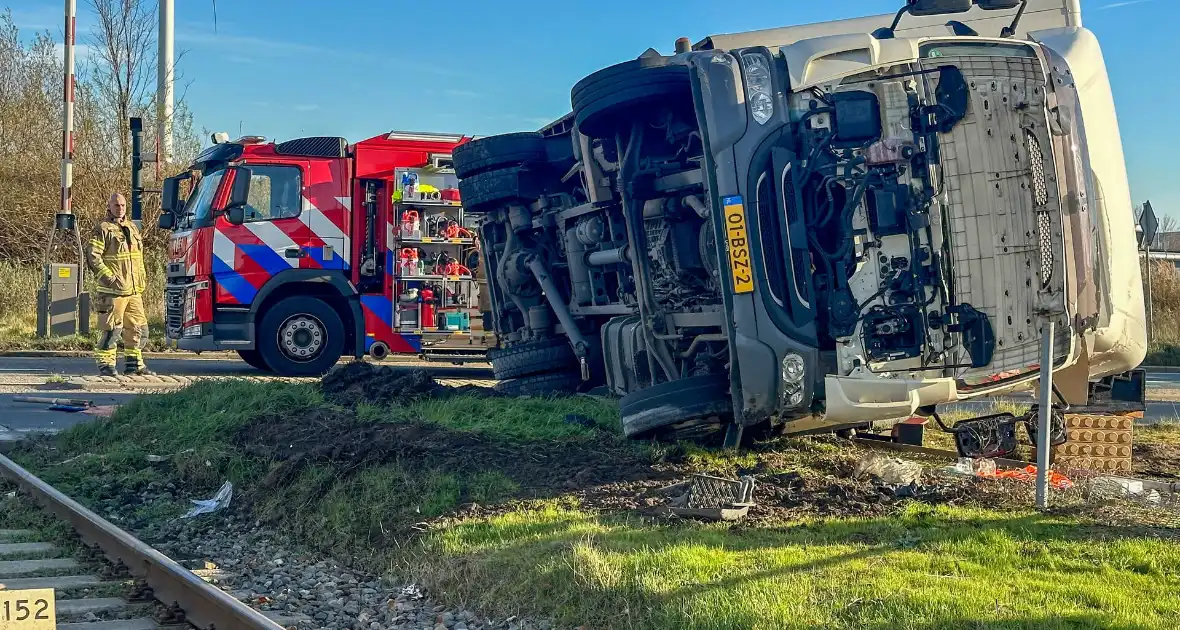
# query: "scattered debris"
1122, 488
102, 411
54, 402
891, 470
159, 459
220, 501
713, 498
68, 408
1029, 473
972, 467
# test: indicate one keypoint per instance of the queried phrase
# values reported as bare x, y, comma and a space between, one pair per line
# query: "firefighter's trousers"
120, 316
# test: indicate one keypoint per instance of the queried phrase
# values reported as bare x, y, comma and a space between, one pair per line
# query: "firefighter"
115, 257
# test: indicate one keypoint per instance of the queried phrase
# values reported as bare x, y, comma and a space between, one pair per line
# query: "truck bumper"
210, 341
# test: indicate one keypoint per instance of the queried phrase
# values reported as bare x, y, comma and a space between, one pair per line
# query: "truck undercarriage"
836, 233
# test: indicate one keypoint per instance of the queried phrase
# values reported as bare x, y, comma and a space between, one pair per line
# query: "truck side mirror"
921, 8
235, 215
998, 5
167, 220
938, 7
239, 195
170, 195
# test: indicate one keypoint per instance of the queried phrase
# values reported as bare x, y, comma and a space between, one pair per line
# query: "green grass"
1162, 354
509, 419
18, 317
929, 568
1165, 432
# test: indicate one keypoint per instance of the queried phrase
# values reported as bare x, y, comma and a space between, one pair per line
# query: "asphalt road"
14, 369
44, 377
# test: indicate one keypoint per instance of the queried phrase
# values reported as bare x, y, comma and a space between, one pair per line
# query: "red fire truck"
296, 253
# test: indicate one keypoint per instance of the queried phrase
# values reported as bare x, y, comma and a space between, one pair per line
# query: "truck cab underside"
841, 231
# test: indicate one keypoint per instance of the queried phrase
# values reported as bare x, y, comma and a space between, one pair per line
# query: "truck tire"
485, 154
551, 384
253, 358
690, 402
300, 336
534, 357
601, 100
492, 187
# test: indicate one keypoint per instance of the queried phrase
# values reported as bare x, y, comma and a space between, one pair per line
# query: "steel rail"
204, 605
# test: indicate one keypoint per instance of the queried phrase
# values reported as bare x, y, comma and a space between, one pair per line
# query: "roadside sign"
28, 610
1150, 225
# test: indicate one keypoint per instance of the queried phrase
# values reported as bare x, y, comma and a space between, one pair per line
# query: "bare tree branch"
123, 62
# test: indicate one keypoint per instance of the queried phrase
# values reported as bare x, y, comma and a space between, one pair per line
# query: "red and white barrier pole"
67, 142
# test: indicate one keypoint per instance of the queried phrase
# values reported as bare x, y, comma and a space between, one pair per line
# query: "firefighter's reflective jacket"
115, 256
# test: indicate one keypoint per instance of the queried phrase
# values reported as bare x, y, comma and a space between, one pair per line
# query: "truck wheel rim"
301, 337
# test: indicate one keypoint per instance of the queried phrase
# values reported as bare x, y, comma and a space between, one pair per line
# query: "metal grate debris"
707, 492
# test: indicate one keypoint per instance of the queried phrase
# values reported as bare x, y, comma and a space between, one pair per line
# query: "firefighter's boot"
135, 365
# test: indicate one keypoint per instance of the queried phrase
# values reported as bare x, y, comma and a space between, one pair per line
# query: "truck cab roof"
1040, 15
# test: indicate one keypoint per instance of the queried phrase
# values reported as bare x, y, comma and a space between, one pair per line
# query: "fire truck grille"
174, 310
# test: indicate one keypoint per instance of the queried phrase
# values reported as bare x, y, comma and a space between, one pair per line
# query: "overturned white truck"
819, 227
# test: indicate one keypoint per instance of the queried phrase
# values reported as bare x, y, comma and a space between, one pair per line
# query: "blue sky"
357, 68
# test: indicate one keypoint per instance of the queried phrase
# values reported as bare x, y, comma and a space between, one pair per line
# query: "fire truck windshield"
197, 210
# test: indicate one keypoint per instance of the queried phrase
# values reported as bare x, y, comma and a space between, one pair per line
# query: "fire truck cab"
293, 254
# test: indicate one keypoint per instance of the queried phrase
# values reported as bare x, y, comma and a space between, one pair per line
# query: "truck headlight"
794, 368
759, 86
794, 371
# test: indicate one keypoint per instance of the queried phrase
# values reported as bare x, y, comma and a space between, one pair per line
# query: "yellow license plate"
28, 610
739, 245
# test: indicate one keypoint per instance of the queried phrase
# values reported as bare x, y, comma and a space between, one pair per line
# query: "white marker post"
1046, 412
165, 80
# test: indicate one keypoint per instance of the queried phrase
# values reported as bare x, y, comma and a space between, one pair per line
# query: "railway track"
116, 583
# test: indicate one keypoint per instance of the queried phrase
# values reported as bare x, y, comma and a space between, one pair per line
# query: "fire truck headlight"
190, 304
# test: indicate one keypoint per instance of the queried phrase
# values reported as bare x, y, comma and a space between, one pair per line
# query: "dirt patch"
1158, 461
332, 437
364, 382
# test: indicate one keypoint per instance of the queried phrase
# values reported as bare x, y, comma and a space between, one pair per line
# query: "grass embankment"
18, 315
476, 497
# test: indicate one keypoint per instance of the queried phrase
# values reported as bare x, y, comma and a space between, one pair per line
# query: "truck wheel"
549, 384
492, 187
301, 336
601, 100
485, 154
253, 358
534, 357
692, 404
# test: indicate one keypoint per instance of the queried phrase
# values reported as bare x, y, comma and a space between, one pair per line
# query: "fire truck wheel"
485, 154
301, 336
663, 410
489, 188
253, 358
602, 100
550, 384
534, 357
